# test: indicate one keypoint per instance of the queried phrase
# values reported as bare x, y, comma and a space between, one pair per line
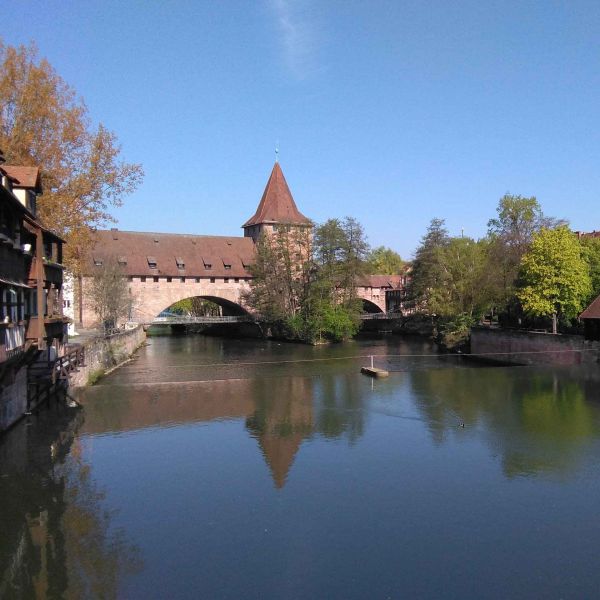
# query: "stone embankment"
105, 353
518, 347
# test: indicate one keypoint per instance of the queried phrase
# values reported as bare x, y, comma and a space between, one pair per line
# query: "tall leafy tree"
555, 276
43, 123
464, 262
384, 261
518, 219
307, 281
340, 251
281, 273
428, 276
590, 248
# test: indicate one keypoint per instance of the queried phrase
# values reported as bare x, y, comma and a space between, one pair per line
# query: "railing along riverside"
68, 363
382, 316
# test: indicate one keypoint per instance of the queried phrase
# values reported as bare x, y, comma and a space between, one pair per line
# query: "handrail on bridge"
184, 320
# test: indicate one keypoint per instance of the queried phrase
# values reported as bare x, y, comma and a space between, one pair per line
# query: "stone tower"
276, 208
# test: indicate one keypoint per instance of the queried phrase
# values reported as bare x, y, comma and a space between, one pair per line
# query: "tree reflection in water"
57, 540
539, 421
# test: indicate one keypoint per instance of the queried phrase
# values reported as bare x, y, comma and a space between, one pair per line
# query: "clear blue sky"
392, 112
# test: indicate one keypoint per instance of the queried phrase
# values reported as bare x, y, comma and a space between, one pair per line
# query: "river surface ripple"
219, 468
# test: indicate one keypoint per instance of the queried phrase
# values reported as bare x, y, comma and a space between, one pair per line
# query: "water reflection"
281, 419
540, 421
313, 480
56, 538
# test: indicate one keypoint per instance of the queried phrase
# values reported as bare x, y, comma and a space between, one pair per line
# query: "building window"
130, 278
226, 280
155, 279
212, 279
180, 263
182, 279
197, 279
151, 262
237, 280
97, 261
169, 279
143, 279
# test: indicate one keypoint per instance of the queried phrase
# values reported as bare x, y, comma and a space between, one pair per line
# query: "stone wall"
102, 354
532, 348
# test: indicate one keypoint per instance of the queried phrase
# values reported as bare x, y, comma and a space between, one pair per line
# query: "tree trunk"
554, 328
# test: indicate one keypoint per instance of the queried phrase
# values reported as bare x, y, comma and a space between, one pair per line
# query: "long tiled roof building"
164, 268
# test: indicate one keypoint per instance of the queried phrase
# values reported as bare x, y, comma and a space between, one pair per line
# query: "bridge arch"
228, 308
371, 307
150, 298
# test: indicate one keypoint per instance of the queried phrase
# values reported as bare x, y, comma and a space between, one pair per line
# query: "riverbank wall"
105, 353
518, 347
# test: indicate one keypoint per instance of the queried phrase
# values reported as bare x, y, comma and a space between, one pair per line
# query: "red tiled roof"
25, 177
169, 248
277, 204
381, 281
592, 311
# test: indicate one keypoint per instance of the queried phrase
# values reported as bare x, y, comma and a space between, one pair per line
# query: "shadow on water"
57, 540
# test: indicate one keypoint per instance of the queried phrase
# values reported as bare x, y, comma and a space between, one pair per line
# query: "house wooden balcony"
53, 272
51, 326
12, 340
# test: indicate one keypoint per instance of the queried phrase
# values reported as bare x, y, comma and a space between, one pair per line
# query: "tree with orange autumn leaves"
44, 123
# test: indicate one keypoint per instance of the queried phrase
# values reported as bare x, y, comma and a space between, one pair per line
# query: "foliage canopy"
43, 123
306, 281
555, 277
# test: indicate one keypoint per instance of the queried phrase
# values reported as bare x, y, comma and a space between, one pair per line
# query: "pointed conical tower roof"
277, 204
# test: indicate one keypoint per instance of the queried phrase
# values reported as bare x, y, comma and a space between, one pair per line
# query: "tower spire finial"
277, 151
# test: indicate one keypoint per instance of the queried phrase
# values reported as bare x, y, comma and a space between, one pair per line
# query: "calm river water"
218, 468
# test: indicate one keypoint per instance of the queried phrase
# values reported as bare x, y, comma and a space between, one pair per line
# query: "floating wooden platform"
374, 372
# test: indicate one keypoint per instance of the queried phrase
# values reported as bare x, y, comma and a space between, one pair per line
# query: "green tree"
44, 124
511, 232
195, 307
384, 261
464, 261
590, 248
281, 273
428, 276
555, 276
340, 252
306, 281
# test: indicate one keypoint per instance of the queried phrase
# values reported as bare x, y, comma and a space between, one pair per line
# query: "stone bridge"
163, 268
151, 298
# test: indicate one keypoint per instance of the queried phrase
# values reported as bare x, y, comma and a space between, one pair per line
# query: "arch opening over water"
208, 305
370, 307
